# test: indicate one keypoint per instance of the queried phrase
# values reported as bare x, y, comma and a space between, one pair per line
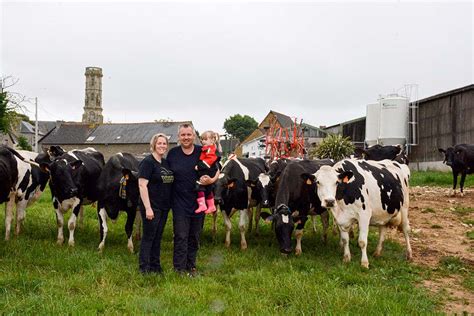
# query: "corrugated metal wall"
442, 122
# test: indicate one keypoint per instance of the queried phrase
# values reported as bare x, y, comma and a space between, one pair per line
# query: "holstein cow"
370, 193
379, 152
295, 197
118, 190
73, 182
232, 193
28, 187
461, 160
8, 173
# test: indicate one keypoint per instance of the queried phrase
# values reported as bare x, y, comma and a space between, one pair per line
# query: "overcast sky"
204, 62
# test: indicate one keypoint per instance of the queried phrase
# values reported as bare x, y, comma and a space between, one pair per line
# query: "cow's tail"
17, 154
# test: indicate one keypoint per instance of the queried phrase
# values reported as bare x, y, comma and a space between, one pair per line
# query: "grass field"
39, 277
441, 179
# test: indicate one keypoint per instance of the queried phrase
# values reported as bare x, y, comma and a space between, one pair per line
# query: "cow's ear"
44, 167
231, 183
76, 164
251, 183
345, 176
308, 178
127, 173
441, 150
267, 217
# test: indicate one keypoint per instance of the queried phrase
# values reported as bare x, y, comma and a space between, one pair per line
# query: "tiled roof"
112, 133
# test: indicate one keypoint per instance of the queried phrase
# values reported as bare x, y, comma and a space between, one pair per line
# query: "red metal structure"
284, 142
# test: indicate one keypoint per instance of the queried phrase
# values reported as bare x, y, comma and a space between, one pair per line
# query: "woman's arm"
143, 186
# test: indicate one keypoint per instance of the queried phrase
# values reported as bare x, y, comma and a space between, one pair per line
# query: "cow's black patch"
24, 182
352, 190
397, 165
363, 206
391, 192
405, 180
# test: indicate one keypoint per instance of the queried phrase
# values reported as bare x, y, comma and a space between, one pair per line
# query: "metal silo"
372, 124
393, 120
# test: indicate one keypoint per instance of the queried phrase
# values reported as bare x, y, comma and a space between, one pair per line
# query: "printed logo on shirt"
166, 175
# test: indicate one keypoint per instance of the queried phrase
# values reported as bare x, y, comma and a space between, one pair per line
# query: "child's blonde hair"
214, 137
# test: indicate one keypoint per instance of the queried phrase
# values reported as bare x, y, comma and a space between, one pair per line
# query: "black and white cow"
73, 181
118, 191
28, 187
378, 152
232, 193
294, 199
370, 193
461, 160
8, 173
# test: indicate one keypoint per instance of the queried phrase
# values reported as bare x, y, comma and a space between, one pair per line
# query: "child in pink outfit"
207, 165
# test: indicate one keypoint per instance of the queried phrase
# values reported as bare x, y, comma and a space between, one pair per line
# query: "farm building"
252, 145
111, 138
442, 120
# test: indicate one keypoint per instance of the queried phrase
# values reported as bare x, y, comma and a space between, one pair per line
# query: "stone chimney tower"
93, 104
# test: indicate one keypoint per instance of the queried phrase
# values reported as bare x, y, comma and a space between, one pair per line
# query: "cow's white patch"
245, 170
285, 218
120, 154
264, 179
65, 205
221, 175
71, 153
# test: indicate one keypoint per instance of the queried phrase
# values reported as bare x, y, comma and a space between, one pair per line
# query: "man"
187, 225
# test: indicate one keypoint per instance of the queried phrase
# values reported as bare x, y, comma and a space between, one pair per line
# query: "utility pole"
36, 125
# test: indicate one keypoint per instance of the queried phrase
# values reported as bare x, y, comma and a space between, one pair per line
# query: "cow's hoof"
60, 242
101, 247
364, 264
7, 237
346, 259
227, 244
461, 194
130, 248
71, 243
298, 252
377, 254
409, 257
243, 246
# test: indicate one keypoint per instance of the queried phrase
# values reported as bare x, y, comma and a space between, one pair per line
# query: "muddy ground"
440, 223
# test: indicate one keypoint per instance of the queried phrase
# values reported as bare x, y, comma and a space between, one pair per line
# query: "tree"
10, 104
239, 126
23, 143
334, 147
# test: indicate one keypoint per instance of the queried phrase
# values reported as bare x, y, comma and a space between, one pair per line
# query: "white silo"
393, 120
372, 124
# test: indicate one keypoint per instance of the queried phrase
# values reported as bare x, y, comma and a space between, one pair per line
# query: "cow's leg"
243, 223
250, 216
382, 231
313, 221
406, 232
325, 222
138, 225
363, 234
20, 215
81, 216
72, 223
344, 241
455, 182
258, 210
228, 227
9, 216
214, 224
461, 183
129, 228
102, 215
299, 235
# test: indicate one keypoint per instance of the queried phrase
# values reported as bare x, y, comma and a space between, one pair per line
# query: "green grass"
428, 210
436, 178
463, 211
470, 234
39, 277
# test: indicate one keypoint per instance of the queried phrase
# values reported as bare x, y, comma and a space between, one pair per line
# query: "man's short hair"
186, 125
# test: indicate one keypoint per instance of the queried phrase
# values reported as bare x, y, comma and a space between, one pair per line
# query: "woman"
154, 181
187, 225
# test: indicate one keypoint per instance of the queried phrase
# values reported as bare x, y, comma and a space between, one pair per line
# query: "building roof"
26, 128
284, 120
46, 126
447, 93
111, 133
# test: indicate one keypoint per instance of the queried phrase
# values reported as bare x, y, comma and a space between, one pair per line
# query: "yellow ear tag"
126, 177
346, 179
308, 182
231, 185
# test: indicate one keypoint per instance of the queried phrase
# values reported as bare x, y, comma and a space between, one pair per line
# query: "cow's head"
327, 182
449, 155
130, 178
261, 187
62, 176
283, 224
55, 151
223, 185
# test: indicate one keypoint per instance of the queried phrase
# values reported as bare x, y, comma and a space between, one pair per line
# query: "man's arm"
206, 180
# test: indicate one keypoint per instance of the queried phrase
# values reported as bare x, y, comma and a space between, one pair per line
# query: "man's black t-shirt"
160, 180
185, 176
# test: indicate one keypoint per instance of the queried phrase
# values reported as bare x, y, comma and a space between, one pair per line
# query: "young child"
207, 165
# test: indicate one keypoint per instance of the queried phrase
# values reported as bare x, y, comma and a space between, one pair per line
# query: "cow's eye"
317, 182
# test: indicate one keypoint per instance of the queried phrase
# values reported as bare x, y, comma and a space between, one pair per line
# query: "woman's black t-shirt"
160, 180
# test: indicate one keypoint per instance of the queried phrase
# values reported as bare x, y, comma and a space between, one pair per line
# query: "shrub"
334, 147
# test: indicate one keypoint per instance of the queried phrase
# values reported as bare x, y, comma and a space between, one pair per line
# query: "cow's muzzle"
329, 202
